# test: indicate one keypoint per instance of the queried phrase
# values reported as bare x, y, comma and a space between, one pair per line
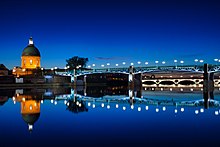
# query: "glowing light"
196, 60
65, 102
30, 127
181, 89
171, 89
146, 63
116, 106
175, 111
77, 103
191, 89
124, 108
132, 63
55, 67
175, 61
201, 89
89, 66
146, 107
157, 110
80, 104
216, 113
102, 65
93, 64
23, 99
196, 111
108, 106
93, 105
132, 106
89, 104
161, 89
182, 110
163, 62
171, 76
51, 101
102, 105
55, 102
139, 108
156, 62
51, 68
31, 108
13, 98
181, 76
123, 63
201, 110
139, 62
116, 64
14, 102
216, 60
108, 64
201, 61
164, 108
42, 101
181, 62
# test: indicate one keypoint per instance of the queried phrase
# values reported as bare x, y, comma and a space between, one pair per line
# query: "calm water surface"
108, 116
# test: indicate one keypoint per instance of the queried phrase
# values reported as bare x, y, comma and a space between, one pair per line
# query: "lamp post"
157, 63
175, 63
182, 62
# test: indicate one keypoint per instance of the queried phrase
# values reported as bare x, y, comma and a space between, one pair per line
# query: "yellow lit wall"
30, 62
30, 106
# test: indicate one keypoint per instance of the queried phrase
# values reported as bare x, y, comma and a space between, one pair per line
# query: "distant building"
30, 60
3, 70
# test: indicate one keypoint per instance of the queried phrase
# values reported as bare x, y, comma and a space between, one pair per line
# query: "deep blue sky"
111, 30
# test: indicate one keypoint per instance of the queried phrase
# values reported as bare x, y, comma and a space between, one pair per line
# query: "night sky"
110, 31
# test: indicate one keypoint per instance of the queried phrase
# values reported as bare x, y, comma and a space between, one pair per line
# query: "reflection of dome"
30, 118
31, 50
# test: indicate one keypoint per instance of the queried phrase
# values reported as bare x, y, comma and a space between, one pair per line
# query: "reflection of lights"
139, 108
65, 102
89, 104
191, 89
164, 108
201, 110
181, 89
42, 101
93, 105
51, 101
201, 89
14, 102
182, 109
152, 88
171, 89
55, 103
124, 108
13, 98
161, 89
77, 103
157, 110
116, 106
132, 106
216, 113
102, 105
175, 111
80, 104
146, 107
108, 106
196, 111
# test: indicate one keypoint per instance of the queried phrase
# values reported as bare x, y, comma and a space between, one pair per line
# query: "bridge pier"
208, 86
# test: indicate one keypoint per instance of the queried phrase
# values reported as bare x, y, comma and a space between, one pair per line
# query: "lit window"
31, 62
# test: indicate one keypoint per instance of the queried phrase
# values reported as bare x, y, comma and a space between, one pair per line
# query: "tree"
77, 62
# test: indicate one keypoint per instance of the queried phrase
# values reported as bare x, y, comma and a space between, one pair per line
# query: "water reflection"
82, 99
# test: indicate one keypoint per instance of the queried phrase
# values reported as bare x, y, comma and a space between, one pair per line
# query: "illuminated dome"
31, 50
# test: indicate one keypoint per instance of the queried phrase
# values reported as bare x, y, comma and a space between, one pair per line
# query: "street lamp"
102, 65
146, 63
157, 63
175, 62
132, 63
123, 63
201, 61
182, 62
163, 62
139, 62
116, 64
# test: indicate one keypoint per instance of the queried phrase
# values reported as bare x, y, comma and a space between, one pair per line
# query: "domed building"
30, 58
30, 111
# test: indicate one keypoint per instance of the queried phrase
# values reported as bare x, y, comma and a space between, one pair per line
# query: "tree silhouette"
77, 62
